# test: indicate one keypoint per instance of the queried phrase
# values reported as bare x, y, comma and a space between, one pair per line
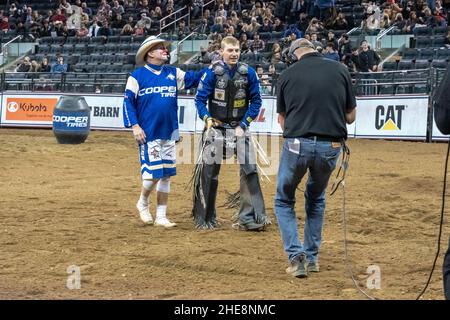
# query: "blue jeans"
299, 155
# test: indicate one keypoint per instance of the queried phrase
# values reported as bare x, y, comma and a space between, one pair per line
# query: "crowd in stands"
264, 28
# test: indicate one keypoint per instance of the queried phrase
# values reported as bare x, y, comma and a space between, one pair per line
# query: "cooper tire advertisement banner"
392, 117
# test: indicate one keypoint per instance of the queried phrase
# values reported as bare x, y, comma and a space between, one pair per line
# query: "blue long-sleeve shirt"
206, 89
151, 99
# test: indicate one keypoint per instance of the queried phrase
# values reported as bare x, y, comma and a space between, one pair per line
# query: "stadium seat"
442, 31
439, 41
421, 64
423, 42
443, 54
439, 64
426, 54
390, 66
410, 54
422, 31
405, 65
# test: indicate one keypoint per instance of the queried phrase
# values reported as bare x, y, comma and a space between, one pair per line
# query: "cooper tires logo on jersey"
165, 91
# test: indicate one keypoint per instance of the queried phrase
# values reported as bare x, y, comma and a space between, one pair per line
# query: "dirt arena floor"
63, 205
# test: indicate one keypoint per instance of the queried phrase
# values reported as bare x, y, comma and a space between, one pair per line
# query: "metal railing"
380, 36
206, 4
419, 81
63, 82
6, 45
163, 26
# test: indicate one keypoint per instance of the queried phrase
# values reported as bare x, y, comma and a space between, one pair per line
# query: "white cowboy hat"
146, 46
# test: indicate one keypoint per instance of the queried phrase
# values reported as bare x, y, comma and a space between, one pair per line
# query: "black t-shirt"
315, 94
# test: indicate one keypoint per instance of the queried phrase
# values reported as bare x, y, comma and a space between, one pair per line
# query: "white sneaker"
146, 217
164, 222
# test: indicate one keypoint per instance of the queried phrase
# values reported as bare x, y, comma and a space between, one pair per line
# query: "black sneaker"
297, 267
312, 266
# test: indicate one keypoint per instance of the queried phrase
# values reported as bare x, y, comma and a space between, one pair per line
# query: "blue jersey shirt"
151, 99
206, 89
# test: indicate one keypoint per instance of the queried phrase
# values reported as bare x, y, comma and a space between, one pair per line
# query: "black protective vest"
229, 101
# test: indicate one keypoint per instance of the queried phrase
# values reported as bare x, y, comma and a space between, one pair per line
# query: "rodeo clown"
234, 100
150, 109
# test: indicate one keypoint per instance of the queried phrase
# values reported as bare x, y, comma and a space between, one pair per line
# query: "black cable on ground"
440, 225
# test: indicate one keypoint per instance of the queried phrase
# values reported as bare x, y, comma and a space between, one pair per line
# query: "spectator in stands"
267, 26
330, 52
183, 30
95, 27
86, 9
368, 58
411, 22
243, 40
218, 25
303, 22
340, 23
275, 56
429, 19
139, 29
330, 38
440, 18
234, 18
235, 5
203, 57
118, 22
131, 21
35, 66
74, 21
292, 29
60, 66
204, 28
45, 30
399, 22
24, 66
313, 26
4, 25
145, 21
117, 9
83, 32
315, 40
103, 11
20, 28
65, 8
157, 15
278, 25
84, 18
127, 30
345, 48
58, 16
207, 15
385, 23
221, 12
264, 80
273, 72
196, 8
372, 22
353, 62
105, 30
230, 31
257, 44
44, 66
